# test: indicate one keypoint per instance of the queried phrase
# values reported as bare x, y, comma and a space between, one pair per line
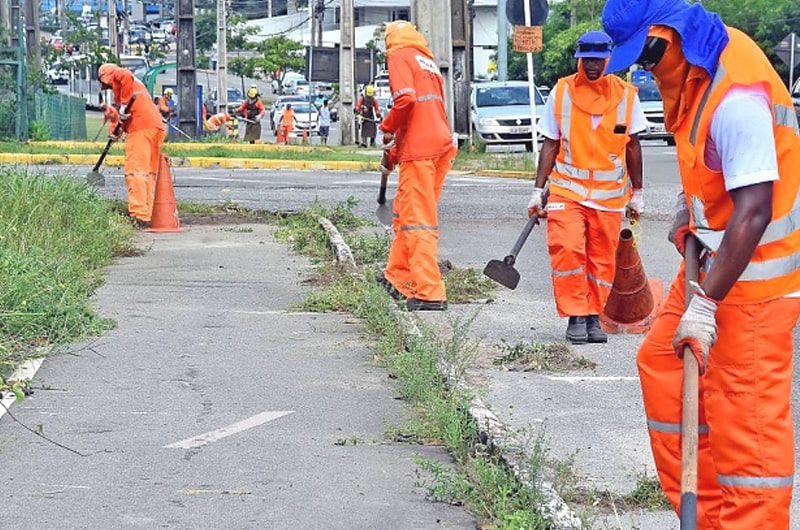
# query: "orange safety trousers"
413, 267
746, 444
142, 157
582, 243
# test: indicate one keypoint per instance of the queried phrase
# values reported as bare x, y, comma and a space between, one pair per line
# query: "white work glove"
123, 113
635, 205
386, 166
697, 329
536, 204
680, 224
258, 119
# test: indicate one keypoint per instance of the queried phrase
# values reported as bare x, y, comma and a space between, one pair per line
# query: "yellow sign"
527, 39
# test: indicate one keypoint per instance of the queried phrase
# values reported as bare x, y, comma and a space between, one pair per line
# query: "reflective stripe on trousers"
746, 446
582, 243
142, 157
412, 266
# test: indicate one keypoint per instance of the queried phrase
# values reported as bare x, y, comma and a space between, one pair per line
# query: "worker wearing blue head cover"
591, 157
738, 146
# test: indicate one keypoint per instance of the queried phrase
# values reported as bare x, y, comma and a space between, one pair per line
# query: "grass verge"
56, 234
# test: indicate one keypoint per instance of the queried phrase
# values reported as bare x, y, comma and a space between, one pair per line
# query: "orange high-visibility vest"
216, 120
591, 163
774, 269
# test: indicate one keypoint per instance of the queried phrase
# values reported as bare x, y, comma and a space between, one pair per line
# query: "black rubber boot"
416, 304
594, 331
391, 289
576, 330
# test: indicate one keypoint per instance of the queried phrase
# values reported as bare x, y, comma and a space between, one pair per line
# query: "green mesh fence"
57, 117
10, 111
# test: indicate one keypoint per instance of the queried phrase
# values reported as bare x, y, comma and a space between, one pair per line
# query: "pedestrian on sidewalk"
141, 122
324, 122
253, 110
738, 154
591, 157
417, 125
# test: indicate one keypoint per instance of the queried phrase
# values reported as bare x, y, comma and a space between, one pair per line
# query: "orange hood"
401, 34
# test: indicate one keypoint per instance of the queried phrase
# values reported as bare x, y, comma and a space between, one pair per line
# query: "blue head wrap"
703, 35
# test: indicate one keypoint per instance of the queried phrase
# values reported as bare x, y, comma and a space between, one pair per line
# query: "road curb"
492, 432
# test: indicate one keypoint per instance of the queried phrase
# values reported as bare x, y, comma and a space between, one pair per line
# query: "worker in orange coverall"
591, 156
141, 122
739, 159
286, 123
417, 125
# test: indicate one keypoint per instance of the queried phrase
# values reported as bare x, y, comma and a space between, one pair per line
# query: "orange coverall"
145, 134
426, 153
286, 124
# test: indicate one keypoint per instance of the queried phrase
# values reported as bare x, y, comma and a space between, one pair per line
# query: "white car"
796, 98
305, 116
287, 79
277, 107
653, 108
501, 113
298, 87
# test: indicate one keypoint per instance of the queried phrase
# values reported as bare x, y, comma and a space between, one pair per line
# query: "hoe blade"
502, 272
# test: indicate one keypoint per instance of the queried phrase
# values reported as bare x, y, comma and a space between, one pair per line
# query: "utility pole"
187, 72
461, 24
32, 45
347, 79
427, 16
126, 27
222, 58
320, 16
113, 34
502, 41
62, 15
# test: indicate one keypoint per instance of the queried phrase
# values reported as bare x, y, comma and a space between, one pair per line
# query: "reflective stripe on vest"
568, 169
673, 428
430, 97
776, 230
755, 482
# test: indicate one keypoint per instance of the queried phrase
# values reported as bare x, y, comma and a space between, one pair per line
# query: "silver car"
501, 113
653, 108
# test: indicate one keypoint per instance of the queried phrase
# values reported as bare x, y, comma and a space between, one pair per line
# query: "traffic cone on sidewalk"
634, 300
165, 209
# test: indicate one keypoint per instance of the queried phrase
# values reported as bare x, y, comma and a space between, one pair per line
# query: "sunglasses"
653, 52
594, 47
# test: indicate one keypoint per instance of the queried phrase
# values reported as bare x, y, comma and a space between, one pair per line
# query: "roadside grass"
540, 356
95, 126
56, 235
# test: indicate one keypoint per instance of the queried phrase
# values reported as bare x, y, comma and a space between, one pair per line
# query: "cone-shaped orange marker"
634, 300
165, 209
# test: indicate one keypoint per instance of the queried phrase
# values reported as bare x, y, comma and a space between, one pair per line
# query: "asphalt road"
594, 417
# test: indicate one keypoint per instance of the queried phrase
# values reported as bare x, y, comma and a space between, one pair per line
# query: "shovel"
384, 211
503, 271
94, 177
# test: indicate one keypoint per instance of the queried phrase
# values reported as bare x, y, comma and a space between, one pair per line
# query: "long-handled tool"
385, 208
94, 177
690, 413
177, 129
503, 271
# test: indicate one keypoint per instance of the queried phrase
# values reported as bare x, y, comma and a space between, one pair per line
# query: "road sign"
527, 39
784, 49
515, 12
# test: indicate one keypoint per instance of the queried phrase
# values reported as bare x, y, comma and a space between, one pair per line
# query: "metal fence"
56, 117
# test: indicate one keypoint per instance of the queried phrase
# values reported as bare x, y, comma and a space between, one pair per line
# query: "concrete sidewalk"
212, 405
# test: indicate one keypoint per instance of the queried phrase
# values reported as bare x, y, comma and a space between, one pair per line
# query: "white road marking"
578, 379
24, 372
213, 436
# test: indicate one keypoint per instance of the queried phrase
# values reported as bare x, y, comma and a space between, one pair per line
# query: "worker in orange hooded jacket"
417, 125
141, 122
592, 158
738, 148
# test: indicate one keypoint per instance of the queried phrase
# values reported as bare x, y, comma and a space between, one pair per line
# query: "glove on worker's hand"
388, 141
123, 113
680, 224
536, 204
386, 164
697, 329
635, 205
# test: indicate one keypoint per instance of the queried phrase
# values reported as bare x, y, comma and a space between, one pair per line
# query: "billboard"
325, 65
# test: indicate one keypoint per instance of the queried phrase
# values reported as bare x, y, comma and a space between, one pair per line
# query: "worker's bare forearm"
751, 214
633, 156
547, 160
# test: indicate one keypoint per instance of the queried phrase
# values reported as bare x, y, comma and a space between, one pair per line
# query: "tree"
279, 54
243, 67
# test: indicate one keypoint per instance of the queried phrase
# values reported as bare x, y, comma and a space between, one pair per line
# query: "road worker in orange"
253, 111
216, 121
286, 123
738, 153
166, 106
369, 113
417, 126
141, 122
591, 157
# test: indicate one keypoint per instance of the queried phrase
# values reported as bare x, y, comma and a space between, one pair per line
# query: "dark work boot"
391, 289
417, 304
594, 331
576, 330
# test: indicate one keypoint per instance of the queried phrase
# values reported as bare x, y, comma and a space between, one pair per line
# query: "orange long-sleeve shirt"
251, 108
144, 114
417, 117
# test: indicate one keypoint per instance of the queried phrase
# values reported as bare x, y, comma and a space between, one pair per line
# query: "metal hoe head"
95, 178
503, 271
384, 213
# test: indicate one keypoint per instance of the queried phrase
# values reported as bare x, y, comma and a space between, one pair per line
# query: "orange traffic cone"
165, 209
634, 300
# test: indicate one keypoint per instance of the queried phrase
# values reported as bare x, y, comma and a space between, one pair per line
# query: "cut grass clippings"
56, 235
539, 356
